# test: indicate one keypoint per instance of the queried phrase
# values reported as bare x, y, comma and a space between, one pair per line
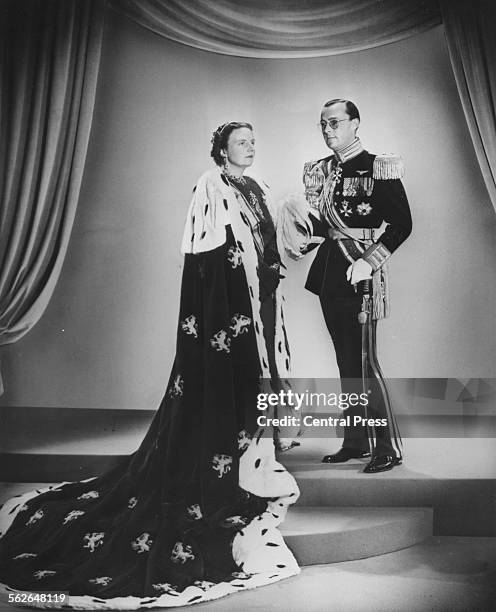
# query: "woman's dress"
192, 515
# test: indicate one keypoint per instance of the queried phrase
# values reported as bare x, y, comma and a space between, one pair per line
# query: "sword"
370, 365
364, 318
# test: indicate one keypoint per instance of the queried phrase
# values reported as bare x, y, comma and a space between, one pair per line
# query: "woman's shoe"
284, 444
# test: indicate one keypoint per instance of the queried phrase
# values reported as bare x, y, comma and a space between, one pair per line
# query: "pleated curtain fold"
49, 61
282, 28
469, 29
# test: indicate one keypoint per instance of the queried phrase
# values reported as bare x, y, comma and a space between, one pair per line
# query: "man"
349, 195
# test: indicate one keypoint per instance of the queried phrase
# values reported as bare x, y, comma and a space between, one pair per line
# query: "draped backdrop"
316, 28
49, 60
283, 28
469, 28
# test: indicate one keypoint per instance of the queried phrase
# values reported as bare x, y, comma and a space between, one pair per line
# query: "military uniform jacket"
365, 192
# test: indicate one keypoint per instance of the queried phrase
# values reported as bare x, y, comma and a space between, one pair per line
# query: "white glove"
358, 271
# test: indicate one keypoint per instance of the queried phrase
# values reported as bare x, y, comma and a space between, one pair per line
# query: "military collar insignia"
349, 152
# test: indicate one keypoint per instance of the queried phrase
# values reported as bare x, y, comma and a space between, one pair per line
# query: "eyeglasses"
332, 123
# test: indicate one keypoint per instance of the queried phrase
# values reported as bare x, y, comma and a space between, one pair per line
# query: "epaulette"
388, 166
309, 165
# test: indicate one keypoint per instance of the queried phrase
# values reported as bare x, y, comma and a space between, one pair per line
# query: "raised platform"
456, 477
329, 535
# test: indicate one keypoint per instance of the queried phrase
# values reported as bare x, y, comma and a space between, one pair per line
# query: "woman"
192, 515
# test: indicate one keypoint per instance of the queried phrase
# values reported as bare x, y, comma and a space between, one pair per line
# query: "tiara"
219, 131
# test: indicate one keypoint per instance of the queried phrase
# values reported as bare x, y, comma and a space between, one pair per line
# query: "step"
455, 477
460, 507
329, 535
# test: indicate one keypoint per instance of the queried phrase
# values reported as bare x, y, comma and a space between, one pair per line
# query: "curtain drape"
469, 29
283, 28
49, 60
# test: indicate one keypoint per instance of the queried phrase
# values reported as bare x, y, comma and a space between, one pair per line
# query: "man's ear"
356, 124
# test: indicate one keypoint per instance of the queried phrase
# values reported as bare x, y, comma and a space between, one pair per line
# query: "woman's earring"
224, 163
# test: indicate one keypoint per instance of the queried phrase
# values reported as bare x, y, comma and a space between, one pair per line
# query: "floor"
442, 574
446, 574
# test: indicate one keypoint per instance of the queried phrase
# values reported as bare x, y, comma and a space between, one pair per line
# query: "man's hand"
358, 271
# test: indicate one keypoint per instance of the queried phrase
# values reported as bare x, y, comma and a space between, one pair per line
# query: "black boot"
381, 463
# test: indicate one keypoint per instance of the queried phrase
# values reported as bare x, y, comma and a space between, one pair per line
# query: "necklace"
233, 177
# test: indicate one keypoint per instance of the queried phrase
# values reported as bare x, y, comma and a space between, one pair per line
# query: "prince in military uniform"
349, 196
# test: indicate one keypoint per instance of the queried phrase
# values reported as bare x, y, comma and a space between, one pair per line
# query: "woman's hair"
221, 136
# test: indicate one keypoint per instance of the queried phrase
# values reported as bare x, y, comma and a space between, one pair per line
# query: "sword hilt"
365, 290
365, 287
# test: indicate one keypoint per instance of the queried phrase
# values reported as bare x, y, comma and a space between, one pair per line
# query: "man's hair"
351, 109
